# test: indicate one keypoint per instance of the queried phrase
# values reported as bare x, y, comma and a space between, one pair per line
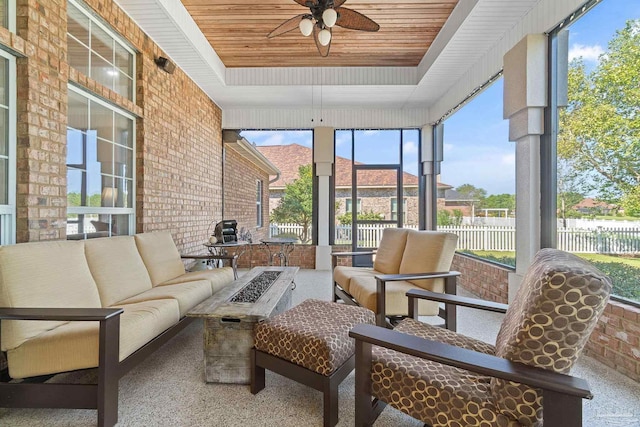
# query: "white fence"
601, 240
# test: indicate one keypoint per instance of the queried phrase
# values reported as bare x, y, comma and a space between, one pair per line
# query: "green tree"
600, 128
296, 205
471, 192
499, 201
446, 218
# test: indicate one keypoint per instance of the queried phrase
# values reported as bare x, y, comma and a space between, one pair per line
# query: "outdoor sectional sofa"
106, 303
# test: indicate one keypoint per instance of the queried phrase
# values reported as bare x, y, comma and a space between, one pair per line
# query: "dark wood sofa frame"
562, 394
448, 313
103, 396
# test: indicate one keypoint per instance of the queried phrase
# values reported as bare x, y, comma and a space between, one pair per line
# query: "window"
348, 206
100, 167
7, 148
477, 186
394, 209
258, 203
97, 52
594, 112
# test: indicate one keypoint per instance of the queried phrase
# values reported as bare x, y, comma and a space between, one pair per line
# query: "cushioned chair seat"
436, 388
218, 277
364, 290
314, 334
342, 274
188, 294
74, 345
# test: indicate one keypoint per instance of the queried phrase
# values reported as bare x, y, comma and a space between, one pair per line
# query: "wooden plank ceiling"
237, 30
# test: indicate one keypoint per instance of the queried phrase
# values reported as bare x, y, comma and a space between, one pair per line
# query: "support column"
430, 169
323, 156
525, 96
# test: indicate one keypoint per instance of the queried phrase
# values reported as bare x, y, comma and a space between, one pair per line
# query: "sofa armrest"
561, 394
60, 314
415, 294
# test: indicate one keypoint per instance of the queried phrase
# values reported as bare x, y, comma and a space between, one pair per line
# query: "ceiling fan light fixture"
329, 17
324, 37
306, 27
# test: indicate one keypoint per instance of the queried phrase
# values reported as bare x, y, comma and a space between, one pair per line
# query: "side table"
280, 247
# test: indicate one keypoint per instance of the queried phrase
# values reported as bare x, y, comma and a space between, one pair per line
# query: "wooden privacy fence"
503, 239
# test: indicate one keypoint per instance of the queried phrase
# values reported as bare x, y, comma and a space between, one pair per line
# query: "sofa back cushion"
44, 274
426, 252
160, 256
117, 268
390, 251
553, 313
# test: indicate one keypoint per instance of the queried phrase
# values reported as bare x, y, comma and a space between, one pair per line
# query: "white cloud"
588, 53
371, 132
410, 147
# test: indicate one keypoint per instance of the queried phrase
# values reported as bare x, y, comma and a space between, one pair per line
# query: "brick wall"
616, 339
240, 176
178, 132
486, 280
303, 256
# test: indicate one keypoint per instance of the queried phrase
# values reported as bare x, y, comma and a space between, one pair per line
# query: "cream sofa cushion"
160, 256
218, 277
188, 294
117, 268
428, 252
74, 345
342, 274
364, 290
389, 253
43, 274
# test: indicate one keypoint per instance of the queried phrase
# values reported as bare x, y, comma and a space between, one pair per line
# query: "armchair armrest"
450, 284
480, 363
416, 294
61, 314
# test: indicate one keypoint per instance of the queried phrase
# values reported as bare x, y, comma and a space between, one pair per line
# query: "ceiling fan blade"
324, 50
286, 26
305, 2
353, 20
338, 3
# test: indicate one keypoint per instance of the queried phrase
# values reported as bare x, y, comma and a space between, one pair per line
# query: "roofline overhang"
247, 150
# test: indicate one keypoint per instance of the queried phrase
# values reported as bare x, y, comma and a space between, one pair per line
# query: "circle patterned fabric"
550, 320
431, 392
313, 334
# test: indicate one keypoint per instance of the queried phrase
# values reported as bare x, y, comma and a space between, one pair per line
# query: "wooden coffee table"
229, 322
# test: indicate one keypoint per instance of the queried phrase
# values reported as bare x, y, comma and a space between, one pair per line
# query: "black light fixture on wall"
165, 64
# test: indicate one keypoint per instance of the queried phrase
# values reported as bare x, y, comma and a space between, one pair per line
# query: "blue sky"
476, 146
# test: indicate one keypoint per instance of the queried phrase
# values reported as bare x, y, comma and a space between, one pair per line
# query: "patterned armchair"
446, 379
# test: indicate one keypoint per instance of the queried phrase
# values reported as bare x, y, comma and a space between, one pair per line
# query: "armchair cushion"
429, 390
553, 314
342, 275
364, 290
430, 251
390, 251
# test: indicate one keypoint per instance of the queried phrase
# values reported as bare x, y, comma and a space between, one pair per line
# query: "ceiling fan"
323, 16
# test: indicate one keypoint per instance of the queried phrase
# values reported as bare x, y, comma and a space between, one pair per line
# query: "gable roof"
288, 158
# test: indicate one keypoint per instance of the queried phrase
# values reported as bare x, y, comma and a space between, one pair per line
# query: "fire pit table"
230, 315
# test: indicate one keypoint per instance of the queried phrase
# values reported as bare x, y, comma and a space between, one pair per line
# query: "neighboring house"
593, 206
377, 188
450, 200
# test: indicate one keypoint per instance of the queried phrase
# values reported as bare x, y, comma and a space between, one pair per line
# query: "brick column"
41, 202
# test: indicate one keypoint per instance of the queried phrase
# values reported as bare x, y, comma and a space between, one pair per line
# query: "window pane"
105, 157
78, 111
124, 60
4, 132
75, 179
377, 146
102, 43
123, 161
4, 181
78, 56
124, 130
102, 121
94, 181
4, 13
78, 24
102, 71
123, 84
75, 147
110, 194
4, 81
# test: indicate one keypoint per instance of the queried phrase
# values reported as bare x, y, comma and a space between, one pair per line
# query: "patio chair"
446, 379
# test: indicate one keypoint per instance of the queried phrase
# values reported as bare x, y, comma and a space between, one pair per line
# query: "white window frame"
95, 20
8, 211
259, 188
131, 211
